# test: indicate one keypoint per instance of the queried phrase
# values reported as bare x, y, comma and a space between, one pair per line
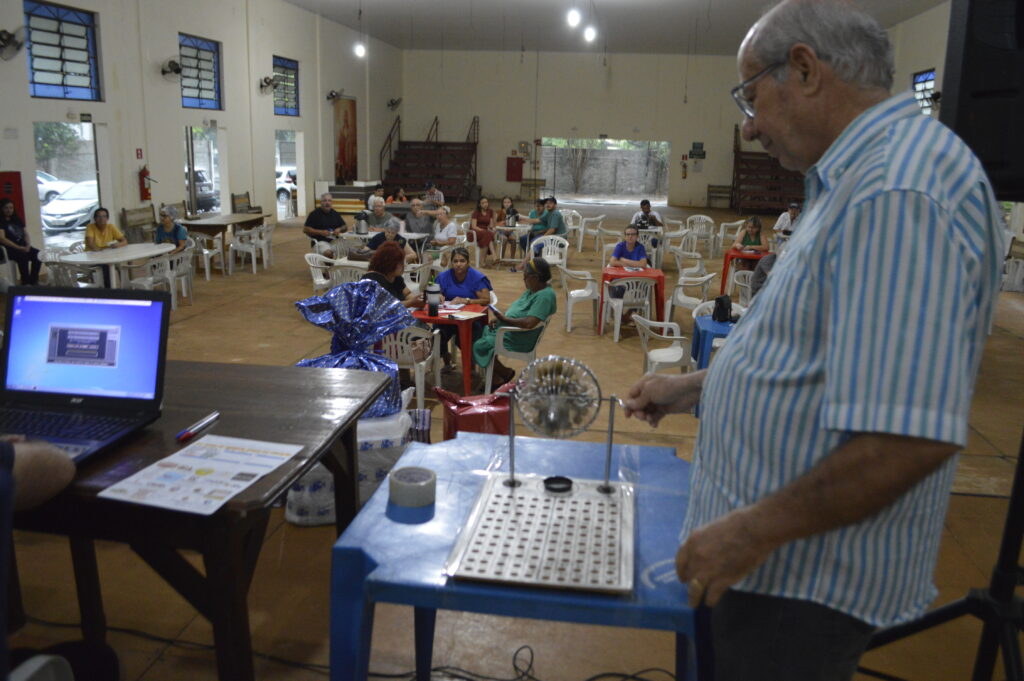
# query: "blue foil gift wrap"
359, 314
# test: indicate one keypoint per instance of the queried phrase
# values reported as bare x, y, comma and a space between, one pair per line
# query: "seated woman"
752, 238
170, 230
102, 233
386, 268
536, 304
397, 196
461, 284
15, 240
482, 223
506, 219
391, 235
629, 253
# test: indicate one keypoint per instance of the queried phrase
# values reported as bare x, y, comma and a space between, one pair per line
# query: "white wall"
142, 109
556, 94
919, 43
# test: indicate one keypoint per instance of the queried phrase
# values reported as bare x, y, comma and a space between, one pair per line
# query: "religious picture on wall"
345, 171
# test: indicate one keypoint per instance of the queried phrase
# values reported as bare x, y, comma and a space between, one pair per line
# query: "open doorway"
287, 179
580, 169
202, 181
66, 179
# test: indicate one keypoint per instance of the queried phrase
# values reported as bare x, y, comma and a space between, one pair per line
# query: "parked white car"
49, 186
286, 182
73, 209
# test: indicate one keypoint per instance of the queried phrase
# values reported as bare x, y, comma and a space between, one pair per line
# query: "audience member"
751, 238
787, 221
482, 224
629, 253
548, 223
418, 221
386, 266
380, 219
324, 224
507, 217
390, 233
101, 233
535, 305
446, 231
15, 240
645, 217
171, 230
398, 196
461, 284
378, 193
433, 198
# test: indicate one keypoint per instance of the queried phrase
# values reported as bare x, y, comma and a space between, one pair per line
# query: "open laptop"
82, 368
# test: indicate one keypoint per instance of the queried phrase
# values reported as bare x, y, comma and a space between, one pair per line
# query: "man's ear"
808, 66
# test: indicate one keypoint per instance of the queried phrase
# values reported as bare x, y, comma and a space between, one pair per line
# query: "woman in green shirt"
752, 238
536, 304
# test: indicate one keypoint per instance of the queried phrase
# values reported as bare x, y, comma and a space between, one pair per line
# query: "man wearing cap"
432, 198
549, 223
817, 516
787, 220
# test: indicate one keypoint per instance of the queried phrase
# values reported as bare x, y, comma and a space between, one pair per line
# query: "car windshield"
83, 190
46, 177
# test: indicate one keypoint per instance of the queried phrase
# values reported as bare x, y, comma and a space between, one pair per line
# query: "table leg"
466, 349
659, 299
725, 272
106, 275
352, 613
87, 582
15, 605
343, 462
424, 619
600, 308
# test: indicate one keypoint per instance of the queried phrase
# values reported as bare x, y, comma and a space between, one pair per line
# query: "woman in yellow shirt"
101, 233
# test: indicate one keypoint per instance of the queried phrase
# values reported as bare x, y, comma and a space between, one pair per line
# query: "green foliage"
54, 139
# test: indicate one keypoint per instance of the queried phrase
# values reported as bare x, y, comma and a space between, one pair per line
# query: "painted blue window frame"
288, 69
193, 102
45, 10
923, 84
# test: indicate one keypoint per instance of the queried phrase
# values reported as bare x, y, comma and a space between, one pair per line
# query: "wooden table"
731, 255
109, 257
317, 408
225, 224
465, 329
613, 273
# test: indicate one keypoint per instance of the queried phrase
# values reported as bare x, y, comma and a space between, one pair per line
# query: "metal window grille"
200, 72
924, 88
62, 62
286, 94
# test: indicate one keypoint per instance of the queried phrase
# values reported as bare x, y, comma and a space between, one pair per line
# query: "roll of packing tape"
413, 486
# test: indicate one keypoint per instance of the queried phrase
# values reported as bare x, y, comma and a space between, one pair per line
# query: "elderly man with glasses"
816, 517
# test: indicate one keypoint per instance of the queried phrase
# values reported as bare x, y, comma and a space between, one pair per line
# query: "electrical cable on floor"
523, 669
880, 675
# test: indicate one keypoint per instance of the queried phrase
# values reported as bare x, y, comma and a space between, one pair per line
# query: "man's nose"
748, 129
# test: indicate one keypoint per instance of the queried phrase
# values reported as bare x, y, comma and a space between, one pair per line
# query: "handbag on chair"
723, 309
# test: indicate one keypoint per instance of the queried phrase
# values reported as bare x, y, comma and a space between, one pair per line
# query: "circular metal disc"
557, 397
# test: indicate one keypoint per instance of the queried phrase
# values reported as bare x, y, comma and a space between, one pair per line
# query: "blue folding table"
397, 555
705, 331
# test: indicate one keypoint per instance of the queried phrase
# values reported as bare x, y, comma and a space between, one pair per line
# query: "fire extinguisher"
144, 193
683, 164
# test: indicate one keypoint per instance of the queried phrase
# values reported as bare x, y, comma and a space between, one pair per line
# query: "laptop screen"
92, 345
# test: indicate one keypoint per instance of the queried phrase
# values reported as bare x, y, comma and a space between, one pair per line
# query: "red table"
613, 273
465, 329
733, 253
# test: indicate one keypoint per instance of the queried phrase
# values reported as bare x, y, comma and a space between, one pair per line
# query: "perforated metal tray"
582, 539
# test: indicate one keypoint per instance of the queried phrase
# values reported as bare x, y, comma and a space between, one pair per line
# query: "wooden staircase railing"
388, 148
473, 136
432, 133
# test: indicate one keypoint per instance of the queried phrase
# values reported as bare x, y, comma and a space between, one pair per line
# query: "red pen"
189, 433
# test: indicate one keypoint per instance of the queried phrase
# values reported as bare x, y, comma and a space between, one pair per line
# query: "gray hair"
172, 211
845, 37
377, 201
327, 195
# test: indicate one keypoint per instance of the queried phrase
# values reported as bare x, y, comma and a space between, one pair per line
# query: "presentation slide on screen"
90, 345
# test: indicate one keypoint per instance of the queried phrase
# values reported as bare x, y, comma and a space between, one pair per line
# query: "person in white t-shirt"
645, 217
787, 220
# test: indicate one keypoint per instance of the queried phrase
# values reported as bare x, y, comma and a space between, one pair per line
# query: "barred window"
62, 61
286, 94
200, 72
924, 88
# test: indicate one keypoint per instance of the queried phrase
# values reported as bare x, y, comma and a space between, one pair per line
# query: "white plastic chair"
573, 224
606, 254
181, 271
73, 276
398, 347
636, 295
673, 229
647, 237
343, 274
418, 276
43, 668
727, 233
245, 242
554, 249
265, 242
679, 296
697, 269
703, 229
677, 354
209, 248
319, 269
462, 217
708, 307
494, 297
500, 349
589, 292
742, 280
590, 227
157, 273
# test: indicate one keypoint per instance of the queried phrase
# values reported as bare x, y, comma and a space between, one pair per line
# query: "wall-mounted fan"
11, 43
170, 67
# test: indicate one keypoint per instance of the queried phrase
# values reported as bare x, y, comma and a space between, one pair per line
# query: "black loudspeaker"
983, 87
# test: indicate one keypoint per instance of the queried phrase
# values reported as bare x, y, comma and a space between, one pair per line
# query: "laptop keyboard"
62, 425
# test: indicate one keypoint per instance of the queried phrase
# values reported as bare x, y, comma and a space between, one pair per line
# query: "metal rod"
511, 482
606, 487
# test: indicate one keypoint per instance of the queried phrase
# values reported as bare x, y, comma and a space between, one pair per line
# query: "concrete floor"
252, 320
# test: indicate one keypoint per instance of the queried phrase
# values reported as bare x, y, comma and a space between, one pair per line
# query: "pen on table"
190, 432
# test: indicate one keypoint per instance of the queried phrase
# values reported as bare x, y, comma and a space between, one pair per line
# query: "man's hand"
655, 395
718, 555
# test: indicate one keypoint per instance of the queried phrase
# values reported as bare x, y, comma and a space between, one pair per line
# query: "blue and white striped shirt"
873, 320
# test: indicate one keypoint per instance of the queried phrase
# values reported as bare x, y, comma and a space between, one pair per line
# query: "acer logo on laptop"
77, 400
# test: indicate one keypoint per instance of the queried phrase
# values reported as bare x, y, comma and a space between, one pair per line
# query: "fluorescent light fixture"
360, 50
589, 34
573, 17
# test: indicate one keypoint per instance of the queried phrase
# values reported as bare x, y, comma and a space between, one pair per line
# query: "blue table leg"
424, 619
682, 653
702, 644
351, 617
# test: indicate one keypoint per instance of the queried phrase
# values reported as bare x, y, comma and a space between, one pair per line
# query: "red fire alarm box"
514, 169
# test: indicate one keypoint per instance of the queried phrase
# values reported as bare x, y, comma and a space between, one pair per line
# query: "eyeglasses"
745, 105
